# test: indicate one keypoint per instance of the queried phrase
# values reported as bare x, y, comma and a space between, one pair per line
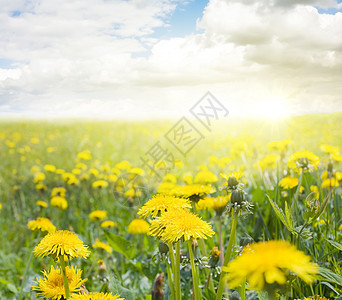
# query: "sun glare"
272, 109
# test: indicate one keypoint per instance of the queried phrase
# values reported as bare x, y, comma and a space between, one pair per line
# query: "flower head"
99, 184
59, 202
193, 192
269, 262
107, 224
96, 296
305, 160
138, 226
42, 224
42, 203
161, 203
100, 245
98, 215
176, 224
288, 182
58, 191
59, 243
51, 286
205, 177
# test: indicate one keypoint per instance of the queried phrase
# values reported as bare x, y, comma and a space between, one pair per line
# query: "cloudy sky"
156, 58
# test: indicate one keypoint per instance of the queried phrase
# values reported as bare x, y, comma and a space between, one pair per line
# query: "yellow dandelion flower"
51, 285
269, 162
85, 155
176, 224
329, 183
138, 226
98, 215
206, 203
280, 146
161, 203
318, 297
96, 296
59, 243
99, 184
137, 171
340, 228
41, 203
50, 168
237, 174
305, 160
288, 182
123, 165
329, 149
100, 245
269, 262
42, 224
166, 187
314, 190
129, 193
58, 191
60, 171
0, 206
193, 192
107, 224
41, 187
205, 177
59, 202
39, 177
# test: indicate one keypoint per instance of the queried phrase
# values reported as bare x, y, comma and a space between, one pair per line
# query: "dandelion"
100, 245
138, 226
193, 192
98, 215
85, 155
305, 160
99, 184
58, 191
318, 297
41, 187
42, 224
41, 203
205, 177
96, 296
267, 263
176, 224
107, 224
161, 203
50, 168
329, 149
51, 285
59, 202
39, 177
269, 162
288, 182
61, 243
280, 146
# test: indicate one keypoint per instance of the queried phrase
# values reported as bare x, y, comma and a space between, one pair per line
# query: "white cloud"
79, 57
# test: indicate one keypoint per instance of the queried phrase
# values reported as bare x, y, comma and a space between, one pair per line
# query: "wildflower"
330, 149
107, 224
280, 146
269, 162
81, 166
99, 184
59, 243
100, 245
123, 165
98, 215
166, 187
318, 297
138, 226
176, 224
288, 182
96, 296
51, 285
85, 155
0, 206
34, 140
41, 187
58, 191
50, 168
340, 228
76, 171
269, 262
42, 224
216, 203
137, 171
60, 171
39, 177
319, 223
193, 192
314, 190
329, 183
59, 202
205, 177
41, 203
305, 160
161, 203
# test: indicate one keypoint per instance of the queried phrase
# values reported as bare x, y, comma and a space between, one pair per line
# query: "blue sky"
148, 58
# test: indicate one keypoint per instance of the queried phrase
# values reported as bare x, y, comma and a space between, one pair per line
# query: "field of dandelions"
253, 211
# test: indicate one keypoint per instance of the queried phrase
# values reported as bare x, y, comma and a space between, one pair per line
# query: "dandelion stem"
169, 277
227, 256
195, 281
177, 273
65, 278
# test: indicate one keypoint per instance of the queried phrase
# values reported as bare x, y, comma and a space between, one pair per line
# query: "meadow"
253, 211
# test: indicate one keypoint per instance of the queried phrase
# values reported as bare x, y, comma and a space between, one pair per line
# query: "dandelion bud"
157, 292
237, 197
235, 296
232, 182
163, 248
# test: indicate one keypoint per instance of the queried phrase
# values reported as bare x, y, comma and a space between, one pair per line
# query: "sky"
144, 59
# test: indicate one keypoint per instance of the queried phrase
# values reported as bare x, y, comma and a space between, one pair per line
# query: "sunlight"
272, 109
